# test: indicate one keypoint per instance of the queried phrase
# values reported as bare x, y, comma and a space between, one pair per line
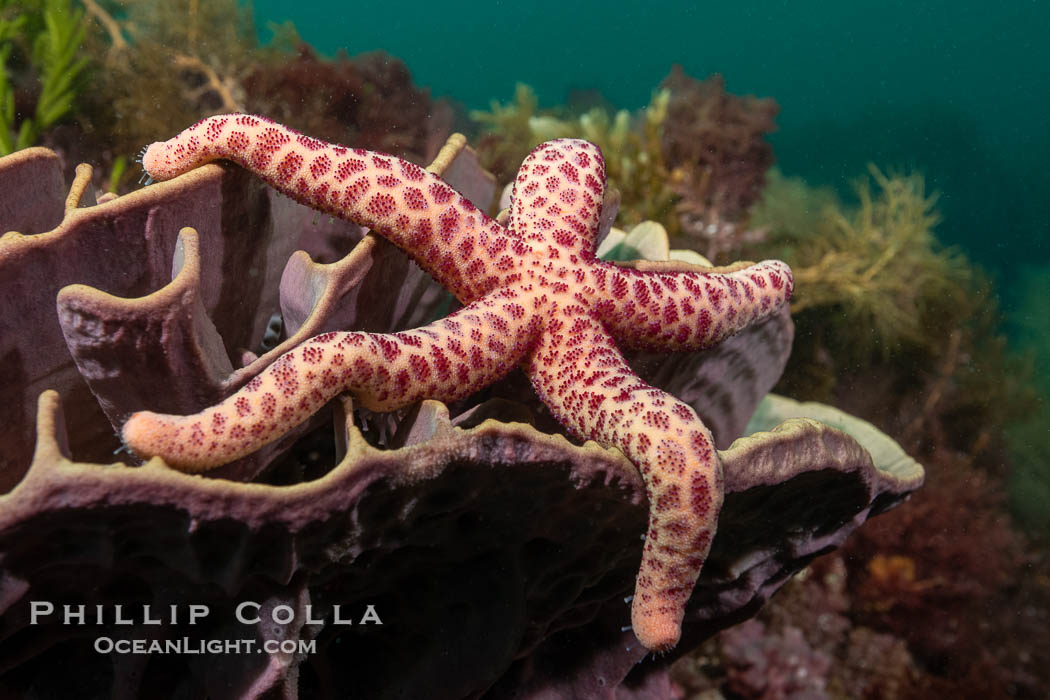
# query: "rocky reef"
497, 548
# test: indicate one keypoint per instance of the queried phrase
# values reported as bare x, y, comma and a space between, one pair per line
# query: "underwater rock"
441, 536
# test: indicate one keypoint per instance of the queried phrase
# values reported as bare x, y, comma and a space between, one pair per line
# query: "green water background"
956, 90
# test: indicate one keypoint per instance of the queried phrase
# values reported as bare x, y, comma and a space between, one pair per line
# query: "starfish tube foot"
535, 295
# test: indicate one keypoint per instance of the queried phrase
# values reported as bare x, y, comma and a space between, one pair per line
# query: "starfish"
534, 295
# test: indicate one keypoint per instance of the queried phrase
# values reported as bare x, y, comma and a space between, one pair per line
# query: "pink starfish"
535, 296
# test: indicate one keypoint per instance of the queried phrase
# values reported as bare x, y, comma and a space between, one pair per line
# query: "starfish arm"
667, 307
445, 360
440, 229
580, 374
557, 198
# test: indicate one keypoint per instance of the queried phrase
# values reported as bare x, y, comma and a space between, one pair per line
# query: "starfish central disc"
535, 296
